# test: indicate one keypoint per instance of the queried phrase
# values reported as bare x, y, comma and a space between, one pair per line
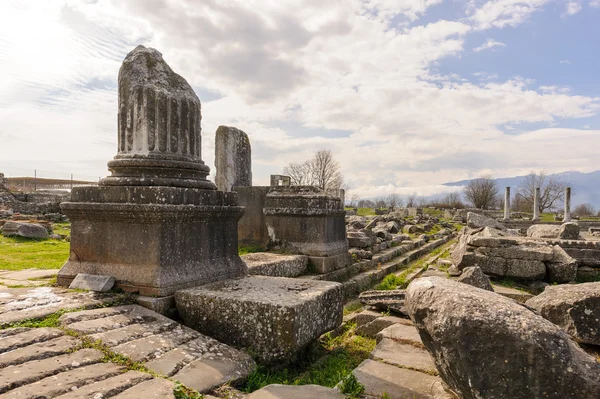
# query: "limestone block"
274, 317
92, 282
26, 230
275, 265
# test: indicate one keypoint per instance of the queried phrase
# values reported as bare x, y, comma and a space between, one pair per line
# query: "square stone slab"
275, 265
92, 282
274, 317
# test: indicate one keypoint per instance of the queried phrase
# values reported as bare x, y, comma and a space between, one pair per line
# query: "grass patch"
48, 321
437, 213
352, 307
587, 279
335, 358
351, 387
391, 282
18, 253
249, 249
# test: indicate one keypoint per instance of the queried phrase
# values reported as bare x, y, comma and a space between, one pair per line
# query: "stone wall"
252, 227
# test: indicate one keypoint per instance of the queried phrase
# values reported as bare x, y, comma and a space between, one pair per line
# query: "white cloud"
501, 13
594, 3
325, 66
489, 44
572, 7
565, 62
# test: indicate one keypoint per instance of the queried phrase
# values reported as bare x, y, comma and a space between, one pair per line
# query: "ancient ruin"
233, 158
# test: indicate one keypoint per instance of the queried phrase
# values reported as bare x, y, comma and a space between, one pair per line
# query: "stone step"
26, 373
381, 379
153, 346
157, 388
121, 335
277, 391
109, 387
403, 355
372, 328
40, 350
109, 321
403, 333
14, 338
64, 382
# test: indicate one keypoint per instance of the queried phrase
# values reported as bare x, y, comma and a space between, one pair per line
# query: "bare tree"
354, 199
411, 201
452, 200
552, 190
322, 170
482, 193
393, 201
584, 210
366, 204
380, 203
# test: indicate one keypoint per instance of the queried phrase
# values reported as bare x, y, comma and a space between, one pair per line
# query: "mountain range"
585, 187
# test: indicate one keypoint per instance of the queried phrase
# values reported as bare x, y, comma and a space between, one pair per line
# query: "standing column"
507, 204
536, 205
567, 217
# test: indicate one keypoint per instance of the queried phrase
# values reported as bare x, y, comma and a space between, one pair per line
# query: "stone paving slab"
17, 304
40, 350
64, 382
108, 387
25, 373
401, 333
398, 383
277, 391
153, 389
167, 347
14, 338
403, 355
24, 275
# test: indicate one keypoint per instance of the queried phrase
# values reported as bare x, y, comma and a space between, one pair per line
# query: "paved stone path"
27, 278
59, 362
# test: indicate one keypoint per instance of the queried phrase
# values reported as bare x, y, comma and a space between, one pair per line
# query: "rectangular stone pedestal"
274, 317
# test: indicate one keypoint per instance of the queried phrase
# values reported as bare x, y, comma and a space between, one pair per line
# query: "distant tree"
366, 204
584, 210
393, 201
380, 202
411, 201
452, 200
354, 199
482, 193
552, 190
322, 171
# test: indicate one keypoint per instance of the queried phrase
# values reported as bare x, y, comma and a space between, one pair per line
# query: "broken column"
507, 204
536, 205
567, 216
156, 224
306, 220
233, 159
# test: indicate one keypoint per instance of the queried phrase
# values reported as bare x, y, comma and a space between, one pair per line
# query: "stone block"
92, 282
277, 391
164, 305
274, 317
328, 264
275, 265
233, 159
252, 227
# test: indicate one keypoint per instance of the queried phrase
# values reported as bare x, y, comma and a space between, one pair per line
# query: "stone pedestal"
156, 224
306, 220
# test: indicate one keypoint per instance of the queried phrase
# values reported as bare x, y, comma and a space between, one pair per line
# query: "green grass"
352, 307
391, 282
18, 253
437, 213
249, 249
334, 359
587, 279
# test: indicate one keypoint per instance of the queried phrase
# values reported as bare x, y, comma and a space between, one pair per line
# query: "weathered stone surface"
164, 305
252, 227
26, 230
403, 355
19, 337
233, 158
374, 327
275, 265
92, 282
65, 382
358, 222
40, 350
14, 376
398, 383
384, 300
474, 276
562, 268
476, 221
277, 391
512, 293
454, 271
167, 348
359, 239
543, 231
159, 133
274, 316
411, 229
109, 387
478, 338
573, 307
401, 332
392, 227
156, 388
569, 231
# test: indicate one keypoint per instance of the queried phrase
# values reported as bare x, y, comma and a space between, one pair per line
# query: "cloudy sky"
408, 94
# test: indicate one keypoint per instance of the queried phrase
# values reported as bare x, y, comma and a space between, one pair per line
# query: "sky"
407, 94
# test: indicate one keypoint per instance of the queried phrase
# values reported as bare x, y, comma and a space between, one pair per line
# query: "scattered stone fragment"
477, 337
385, 300
474, 276
543, 231
569, 231
573, 307
454, 271
26, 230
92, 282
476, 221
